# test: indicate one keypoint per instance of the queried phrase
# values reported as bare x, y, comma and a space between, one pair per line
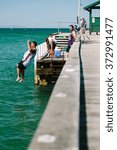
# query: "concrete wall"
59, 126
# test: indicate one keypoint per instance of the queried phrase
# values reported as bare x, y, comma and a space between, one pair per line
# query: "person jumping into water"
26, 60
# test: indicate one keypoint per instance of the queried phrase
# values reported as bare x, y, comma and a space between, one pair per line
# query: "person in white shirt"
26, 60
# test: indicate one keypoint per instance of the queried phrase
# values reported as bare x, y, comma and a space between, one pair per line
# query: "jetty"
71, 120
46, 68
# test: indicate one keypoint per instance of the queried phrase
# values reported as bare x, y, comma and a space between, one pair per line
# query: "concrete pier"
89, 56
71, 119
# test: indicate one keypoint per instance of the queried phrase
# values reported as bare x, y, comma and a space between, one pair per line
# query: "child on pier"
26, 60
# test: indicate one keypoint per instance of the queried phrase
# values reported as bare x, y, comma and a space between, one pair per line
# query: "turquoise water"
21, 104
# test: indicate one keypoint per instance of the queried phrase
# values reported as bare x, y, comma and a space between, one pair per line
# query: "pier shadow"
83, 142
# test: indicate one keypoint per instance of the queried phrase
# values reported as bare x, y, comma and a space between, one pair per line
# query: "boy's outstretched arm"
29, 45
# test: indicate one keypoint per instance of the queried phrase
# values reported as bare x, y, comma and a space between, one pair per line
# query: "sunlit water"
21, 104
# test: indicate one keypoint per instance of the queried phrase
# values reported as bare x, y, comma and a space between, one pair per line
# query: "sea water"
21, 104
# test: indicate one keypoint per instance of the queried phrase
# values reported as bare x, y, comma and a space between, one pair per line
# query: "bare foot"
18, 78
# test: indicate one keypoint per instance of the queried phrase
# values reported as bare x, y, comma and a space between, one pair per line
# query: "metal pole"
78, 17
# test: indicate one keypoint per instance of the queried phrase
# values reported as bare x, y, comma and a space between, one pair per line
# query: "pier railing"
41, 51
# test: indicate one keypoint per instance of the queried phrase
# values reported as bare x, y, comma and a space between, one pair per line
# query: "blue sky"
40, 13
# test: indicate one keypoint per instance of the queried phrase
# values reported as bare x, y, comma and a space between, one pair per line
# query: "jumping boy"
26, 60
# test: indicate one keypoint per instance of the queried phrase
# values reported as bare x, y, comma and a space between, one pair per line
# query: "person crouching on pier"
26, 60
72, 38
48, 47
51, 44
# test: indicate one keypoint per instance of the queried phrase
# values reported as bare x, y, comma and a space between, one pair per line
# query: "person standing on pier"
26, 60
72, 38
83, 34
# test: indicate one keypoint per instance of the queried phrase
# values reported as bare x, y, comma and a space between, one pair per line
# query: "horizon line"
33, 28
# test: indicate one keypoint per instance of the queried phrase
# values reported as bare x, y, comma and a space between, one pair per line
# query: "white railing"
41, 51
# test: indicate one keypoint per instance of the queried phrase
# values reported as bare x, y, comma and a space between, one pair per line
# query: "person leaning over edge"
72, 38
52, 44
26, 60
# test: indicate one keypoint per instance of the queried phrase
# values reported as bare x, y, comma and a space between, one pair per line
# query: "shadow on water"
83, 142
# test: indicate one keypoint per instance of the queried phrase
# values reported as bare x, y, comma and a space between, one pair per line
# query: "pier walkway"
72, 118
89, 56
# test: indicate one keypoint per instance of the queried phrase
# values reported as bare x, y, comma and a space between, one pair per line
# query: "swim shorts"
68, 48
21, 66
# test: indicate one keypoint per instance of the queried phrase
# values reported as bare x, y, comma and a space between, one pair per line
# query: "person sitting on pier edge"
57, 52
26, 60
71, 40
51, 44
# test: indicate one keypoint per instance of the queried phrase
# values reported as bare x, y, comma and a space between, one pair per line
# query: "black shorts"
68, 48
54, 45
21, 66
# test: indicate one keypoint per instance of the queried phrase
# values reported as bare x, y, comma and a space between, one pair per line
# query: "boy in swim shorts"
26, 60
